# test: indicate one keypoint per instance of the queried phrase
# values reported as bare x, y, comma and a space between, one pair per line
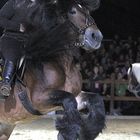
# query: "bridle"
87, 23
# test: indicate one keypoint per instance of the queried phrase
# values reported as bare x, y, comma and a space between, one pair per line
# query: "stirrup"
5, 90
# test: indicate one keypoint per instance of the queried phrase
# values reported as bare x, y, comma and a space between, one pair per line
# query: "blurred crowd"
114, 57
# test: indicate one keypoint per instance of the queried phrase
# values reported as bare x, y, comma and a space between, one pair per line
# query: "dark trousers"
11, 49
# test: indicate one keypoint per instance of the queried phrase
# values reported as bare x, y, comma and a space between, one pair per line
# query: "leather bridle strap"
87, 25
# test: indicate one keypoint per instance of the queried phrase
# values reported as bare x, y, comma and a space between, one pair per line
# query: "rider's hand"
22, 28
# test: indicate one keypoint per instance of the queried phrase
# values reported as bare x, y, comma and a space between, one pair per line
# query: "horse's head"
134, 79
90, 36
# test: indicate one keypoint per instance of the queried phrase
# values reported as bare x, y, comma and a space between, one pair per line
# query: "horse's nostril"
93, 35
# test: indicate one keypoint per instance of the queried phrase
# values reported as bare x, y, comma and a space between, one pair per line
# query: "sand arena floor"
117, 129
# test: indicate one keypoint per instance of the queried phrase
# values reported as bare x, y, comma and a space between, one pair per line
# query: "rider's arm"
6, 14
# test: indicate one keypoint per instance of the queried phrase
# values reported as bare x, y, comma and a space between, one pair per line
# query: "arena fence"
112, 98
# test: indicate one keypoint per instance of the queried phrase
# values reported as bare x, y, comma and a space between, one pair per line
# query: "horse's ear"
129, 70
92, 5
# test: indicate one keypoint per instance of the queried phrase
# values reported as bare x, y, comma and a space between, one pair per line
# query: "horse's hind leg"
94, 122
69, 125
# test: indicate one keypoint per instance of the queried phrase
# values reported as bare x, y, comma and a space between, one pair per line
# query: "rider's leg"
12, 52
7, 77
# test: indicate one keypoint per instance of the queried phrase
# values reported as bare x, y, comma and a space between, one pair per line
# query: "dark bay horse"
52, 80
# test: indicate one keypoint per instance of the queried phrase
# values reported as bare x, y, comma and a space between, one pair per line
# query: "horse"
51, 80
134, 79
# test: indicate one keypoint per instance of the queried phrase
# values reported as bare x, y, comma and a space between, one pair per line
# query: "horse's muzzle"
92, 39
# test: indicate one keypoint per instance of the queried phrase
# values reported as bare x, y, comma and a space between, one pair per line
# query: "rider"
11, 43
14, 38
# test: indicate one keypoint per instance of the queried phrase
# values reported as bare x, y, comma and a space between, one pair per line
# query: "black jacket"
9, 17
12, 15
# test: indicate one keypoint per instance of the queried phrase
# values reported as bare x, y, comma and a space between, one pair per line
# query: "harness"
86, 33
87, 23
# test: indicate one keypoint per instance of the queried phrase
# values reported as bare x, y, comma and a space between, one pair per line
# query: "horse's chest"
73, 82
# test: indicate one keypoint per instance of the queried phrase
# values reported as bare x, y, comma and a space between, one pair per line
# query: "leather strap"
27, 103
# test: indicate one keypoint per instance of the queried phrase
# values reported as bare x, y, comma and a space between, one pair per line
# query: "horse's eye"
32, 0
72, 11
79, 5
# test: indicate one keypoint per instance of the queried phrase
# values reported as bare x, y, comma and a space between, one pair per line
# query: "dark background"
116, 17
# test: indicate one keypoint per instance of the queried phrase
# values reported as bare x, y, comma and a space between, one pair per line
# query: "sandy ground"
117, 129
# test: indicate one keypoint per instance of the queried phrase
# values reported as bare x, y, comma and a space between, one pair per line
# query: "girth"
27, 103
23, 93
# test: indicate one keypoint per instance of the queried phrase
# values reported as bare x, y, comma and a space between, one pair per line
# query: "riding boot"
7, 77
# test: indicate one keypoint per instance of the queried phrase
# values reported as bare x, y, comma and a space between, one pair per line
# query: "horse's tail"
94, 123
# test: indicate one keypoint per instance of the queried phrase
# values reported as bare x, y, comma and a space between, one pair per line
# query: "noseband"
82, 30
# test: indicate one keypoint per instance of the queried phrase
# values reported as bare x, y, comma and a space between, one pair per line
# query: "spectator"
113, 57
95, 85
121, 88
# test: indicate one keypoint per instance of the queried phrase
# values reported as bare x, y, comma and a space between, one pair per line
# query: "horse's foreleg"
94, 122
69, 125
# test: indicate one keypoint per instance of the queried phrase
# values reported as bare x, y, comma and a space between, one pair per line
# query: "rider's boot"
7, 78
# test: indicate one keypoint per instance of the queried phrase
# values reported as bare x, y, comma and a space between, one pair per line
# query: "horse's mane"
57, 38
89, 4
45, 10
54, 45
46, 13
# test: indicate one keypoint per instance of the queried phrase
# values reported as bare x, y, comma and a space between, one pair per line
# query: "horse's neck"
67, 61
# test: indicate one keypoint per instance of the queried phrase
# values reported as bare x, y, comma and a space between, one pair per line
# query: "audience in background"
95, 85
114, 57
